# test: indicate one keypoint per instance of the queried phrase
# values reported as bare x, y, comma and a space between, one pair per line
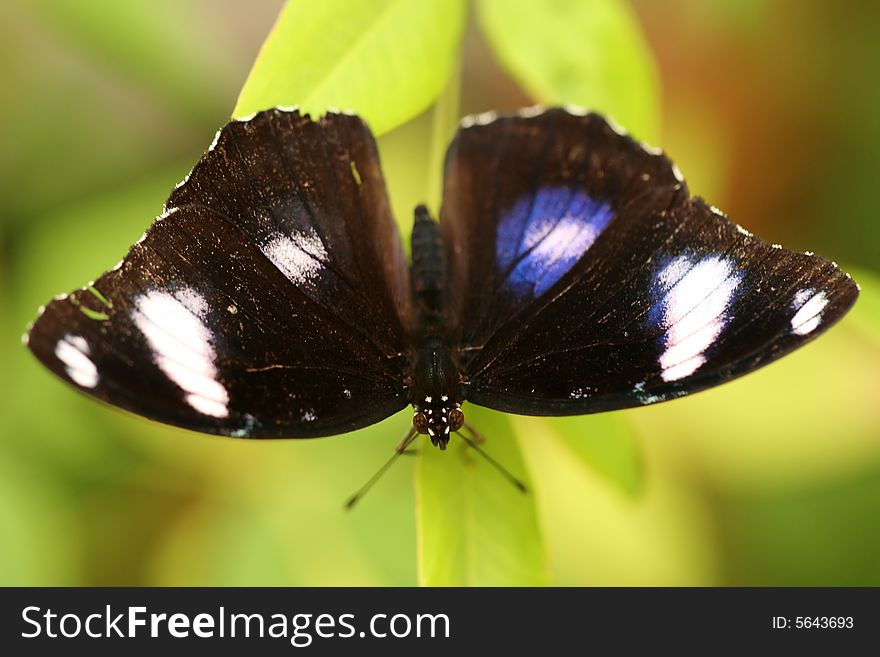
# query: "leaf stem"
443, 125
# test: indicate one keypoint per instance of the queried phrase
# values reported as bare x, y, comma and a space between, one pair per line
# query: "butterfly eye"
420, 422
456, 419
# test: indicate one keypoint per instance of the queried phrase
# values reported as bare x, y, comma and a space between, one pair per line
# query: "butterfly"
570, 272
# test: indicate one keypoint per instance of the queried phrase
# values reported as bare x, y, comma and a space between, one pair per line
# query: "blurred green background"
771, 110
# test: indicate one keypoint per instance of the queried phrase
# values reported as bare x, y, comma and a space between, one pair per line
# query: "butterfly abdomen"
428, 272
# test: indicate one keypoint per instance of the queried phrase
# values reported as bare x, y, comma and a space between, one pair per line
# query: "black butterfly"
570, 273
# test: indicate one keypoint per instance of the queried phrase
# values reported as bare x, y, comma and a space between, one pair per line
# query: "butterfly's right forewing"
586, 280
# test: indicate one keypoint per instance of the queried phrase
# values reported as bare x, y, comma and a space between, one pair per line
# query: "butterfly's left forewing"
269, 300
586, 280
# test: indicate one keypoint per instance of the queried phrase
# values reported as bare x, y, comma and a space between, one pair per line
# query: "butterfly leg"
476, 436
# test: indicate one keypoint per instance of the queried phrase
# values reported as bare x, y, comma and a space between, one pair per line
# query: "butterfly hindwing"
269, 300
586, 279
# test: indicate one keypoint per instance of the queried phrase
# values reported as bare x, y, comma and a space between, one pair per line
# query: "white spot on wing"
478, 119
192, 301
802, 296
809, 314
185, 179
616, 127
207, 406
247, 429
467, 122
674, 271
299, 256
212, 146
677, 173
694, 311
529, 112
575, 110
73, 351
181, 342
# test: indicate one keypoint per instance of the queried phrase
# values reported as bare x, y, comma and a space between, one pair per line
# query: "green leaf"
387, 60
474, 527
605, 443
587, 52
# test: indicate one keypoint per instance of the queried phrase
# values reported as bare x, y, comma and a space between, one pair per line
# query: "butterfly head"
438, 418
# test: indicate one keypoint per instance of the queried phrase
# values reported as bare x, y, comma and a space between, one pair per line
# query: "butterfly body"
436, 388
570, 272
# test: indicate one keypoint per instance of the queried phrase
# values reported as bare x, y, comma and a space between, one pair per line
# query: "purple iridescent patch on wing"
544, 234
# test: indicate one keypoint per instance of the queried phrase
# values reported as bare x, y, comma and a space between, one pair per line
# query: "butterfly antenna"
495, 464
400, 449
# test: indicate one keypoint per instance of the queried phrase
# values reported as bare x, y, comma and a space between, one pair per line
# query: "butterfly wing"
270, 299
585, 279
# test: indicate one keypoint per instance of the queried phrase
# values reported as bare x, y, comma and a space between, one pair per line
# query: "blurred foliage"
184, 70
796, 536
772, 479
